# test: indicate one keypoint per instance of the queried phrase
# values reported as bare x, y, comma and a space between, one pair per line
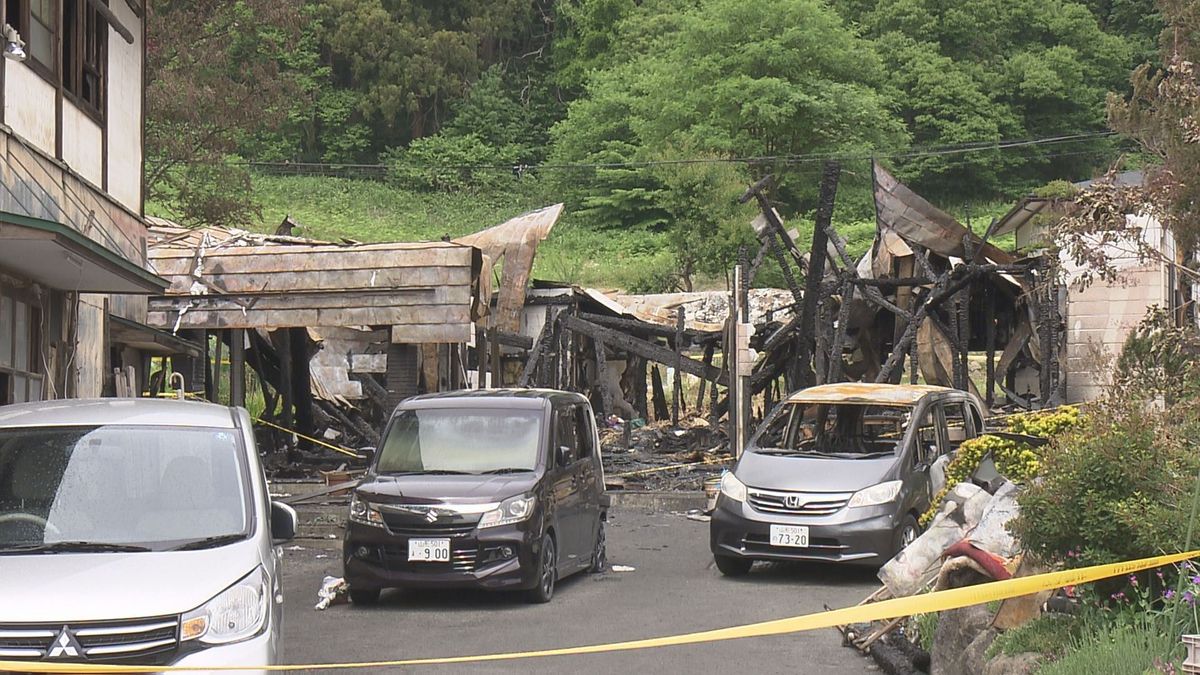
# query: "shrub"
451, 163
1117, 488
1016, 460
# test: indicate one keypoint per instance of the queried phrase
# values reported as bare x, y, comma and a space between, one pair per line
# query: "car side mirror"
283, 522
562, 456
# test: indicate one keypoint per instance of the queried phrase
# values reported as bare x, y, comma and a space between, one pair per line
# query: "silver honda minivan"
137, 532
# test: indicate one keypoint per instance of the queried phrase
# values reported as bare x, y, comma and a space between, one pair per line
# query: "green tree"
716, 78
215, 75
409, 61
983, 71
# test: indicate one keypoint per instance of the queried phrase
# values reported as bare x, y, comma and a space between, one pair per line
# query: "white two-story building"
73, 271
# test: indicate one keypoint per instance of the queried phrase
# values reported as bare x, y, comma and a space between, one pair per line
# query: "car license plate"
429, 550
789, 535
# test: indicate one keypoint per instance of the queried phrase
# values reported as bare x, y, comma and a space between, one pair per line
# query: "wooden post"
839, 337
708, 359
606, 394
677, 394
216, 367
302, 385
237, 367
286, 391
989, 308
830, 173
639, 385
497, 372
660, 397
481, 358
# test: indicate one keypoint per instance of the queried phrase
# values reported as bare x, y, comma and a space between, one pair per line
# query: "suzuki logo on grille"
793, 502
431, 515
65, 646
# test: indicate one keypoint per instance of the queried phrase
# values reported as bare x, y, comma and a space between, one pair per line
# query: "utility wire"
929, 151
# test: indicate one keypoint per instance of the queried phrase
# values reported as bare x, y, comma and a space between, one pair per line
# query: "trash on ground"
622, 568
333, 591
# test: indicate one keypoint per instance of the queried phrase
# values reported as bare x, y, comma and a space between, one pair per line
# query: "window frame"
55, 73
78, 64
33, 371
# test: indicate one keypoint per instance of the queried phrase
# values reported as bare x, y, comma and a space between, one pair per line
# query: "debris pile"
662, 456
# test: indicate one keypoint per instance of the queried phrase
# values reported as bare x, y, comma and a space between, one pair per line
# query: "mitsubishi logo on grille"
65, 646
431, 515
793, 502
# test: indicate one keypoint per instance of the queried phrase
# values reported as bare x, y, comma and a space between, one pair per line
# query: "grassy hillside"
363, 210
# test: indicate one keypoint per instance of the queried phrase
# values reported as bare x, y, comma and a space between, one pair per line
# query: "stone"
1018, 664
956, 630
975, 658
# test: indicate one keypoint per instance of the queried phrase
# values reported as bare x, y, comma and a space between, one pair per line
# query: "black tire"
364, 596
600, 552
547, 573
908, 531
733, 567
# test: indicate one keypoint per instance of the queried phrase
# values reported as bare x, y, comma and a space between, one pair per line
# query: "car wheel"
907, 533
600, 553
547, 572
364, 596
733, 567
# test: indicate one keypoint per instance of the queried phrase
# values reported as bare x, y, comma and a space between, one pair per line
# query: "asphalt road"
673, 589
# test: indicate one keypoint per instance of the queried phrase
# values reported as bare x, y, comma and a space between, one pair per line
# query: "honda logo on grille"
793, 502
65, 646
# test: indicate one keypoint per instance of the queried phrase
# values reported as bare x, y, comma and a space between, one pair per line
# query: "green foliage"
1048, 634
1056, 189
449, 163
1120, 649
1159, 359
715, 78
1113, 489
1016, 460
991, 70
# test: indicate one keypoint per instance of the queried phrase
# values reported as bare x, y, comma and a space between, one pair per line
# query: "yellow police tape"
887, 609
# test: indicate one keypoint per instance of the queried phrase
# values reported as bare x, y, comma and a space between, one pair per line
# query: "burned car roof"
492, 398
867, 392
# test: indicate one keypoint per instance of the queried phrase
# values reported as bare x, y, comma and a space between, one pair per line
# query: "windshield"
139, 487
851, 430
461, 441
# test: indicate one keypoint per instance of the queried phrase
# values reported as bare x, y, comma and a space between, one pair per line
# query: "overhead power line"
321, 168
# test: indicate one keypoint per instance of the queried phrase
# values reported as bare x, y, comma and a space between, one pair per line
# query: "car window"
583, 431
461, 441
928, 444
157, 487
567, 431
841, 429
959, 426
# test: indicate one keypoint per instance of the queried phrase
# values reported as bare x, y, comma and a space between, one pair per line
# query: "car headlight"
732, 487
237, 613
876, 494
365, 512
511, 510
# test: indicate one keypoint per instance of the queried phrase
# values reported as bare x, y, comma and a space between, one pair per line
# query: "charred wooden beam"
641, 348
512, 339
651, 329
659, 396
539, 348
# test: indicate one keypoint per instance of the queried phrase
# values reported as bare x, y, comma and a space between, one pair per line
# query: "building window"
84, 45
85, 38
20, 340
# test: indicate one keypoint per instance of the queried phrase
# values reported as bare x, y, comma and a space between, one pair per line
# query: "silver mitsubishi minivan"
137, 532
